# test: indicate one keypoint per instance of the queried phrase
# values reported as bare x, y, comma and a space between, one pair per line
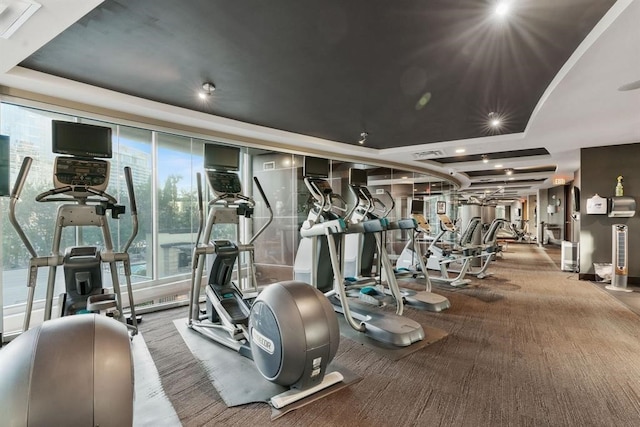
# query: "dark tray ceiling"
329, 68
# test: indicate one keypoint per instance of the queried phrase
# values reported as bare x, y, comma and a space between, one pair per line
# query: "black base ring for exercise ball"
294, 334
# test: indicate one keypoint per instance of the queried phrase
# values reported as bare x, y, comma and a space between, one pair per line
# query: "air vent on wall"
430, 154
14, 13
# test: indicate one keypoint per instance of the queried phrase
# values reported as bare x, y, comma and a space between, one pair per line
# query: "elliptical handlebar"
15, 196
393, 203
134, 209
200, 208
103, 197
264, 197
268, 205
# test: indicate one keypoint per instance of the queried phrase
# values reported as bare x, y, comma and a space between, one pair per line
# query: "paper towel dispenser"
620, 207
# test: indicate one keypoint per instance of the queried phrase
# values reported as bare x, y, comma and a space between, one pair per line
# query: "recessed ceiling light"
207, 90
15, 14
485, 158
502, 9
509, 171
497, 166
460, 150
494, 120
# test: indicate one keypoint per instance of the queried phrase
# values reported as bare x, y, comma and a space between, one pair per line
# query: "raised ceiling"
420, 76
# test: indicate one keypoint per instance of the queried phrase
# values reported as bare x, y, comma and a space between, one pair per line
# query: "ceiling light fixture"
497, 166
509, 171
501, 9
363, 138
494, 120
14, 14
460, 150
485, 158
207, 90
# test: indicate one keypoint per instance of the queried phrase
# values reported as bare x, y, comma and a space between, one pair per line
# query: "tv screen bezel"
312, 167
358, 177
102, 135
210, 162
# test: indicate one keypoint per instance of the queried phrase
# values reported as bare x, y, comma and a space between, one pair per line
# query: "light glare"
502, 9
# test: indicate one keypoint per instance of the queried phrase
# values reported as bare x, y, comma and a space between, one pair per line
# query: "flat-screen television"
417, 206
81, 139
221, 157
316, 167
358, 177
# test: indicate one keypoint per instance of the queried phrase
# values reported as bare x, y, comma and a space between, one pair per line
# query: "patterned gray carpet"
530, 345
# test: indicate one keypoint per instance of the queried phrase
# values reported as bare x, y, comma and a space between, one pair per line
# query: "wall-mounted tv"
358, 177
81, 139
316, 167
417, 206
221, 157
576, 199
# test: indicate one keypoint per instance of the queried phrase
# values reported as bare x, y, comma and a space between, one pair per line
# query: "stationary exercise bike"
80, 179
290, 330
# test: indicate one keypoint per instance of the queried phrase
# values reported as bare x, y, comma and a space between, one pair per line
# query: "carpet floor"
528, 346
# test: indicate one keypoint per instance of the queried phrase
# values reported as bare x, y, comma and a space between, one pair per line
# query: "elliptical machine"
364, 248
290, 330
80, 180
317, 261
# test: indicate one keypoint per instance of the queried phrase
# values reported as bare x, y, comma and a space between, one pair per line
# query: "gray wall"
599, 168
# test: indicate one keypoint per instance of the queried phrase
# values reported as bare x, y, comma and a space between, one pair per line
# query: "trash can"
569, 256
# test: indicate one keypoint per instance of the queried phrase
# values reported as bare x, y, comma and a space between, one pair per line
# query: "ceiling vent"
431, 154
14, 13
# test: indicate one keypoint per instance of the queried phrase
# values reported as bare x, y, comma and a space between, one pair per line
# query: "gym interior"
331, 214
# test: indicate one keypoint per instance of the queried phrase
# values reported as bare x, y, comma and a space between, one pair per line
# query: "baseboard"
631, 280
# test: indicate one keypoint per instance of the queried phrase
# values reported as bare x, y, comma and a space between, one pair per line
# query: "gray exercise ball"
70, 371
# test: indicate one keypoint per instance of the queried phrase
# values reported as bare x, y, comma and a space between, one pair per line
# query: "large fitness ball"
70, 371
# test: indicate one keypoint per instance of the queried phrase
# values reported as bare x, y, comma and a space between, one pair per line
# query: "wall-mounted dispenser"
553, 205
596, 205
622, 207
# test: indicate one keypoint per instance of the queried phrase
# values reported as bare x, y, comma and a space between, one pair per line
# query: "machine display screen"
316, 167
80, 139
417, 206
358, 177
221, 157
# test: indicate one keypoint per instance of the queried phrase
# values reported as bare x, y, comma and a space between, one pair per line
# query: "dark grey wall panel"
599, 168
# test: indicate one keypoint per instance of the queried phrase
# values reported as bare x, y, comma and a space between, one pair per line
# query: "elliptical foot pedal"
293, 395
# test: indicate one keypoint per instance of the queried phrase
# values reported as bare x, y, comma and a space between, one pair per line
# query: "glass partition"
164, 167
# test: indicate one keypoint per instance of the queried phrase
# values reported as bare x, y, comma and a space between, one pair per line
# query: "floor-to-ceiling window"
164, 166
